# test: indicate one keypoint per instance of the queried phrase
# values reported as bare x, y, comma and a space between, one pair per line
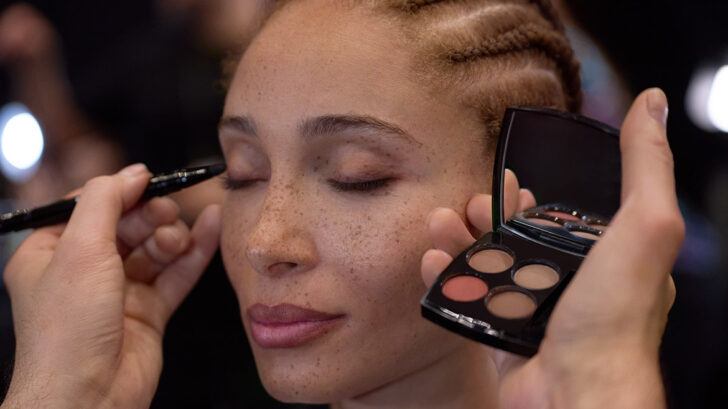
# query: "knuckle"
10, 272
671, 292
665, 225
161, 209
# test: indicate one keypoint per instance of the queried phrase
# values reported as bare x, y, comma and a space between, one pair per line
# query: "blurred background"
87, 87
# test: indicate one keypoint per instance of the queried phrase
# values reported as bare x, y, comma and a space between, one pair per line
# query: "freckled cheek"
236, 228
381, 259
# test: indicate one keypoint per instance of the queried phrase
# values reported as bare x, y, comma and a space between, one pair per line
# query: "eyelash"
366, 186
232, 184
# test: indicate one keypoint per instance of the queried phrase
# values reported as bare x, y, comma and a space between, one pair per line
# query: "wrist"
25, 392
616, 379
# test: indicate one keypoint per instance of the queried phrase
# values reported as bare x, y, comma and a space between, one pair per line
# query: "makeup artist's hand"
91, 298
601, 344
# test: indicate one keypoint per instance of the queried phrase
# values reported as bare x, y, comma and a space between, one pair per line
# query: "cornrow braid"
546, 7
491, 54
531, 36
549, 12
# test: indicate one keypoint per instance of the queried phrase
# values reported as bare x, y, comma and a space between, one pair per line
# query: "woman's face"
335, 156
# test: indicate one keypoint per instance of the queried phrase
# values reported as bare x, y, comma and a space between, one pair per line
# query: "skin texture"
90, 314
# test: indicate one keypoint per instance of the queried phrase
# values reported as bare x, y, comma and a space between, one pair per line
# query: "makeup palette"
502, 289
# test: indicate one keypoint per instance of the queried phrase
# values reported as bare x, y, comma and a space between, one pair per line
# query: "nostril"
280, 268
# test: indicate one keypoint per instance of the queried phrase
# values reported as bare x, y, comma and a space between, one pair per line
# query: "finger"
434, 262
526, 200
648, 229
137, 225
480, 212
647, 163
511, 194
448, 232
649, 201
176, 281
167, 243
97, 213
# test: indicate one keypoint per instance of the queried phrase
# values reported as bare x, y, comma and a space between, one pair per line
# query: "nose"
281, 241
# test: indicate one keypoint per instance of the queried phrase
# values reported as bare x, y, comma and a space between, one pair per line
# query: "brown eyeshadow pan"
511, 304
536, 277
465, 288
490, 261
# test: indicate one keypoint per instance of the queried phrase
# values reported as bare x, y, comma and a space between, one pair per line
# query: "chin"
338, 367
302, 382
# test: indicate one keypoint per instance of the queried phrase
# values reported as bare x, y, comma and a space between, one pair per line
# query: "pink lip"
287, 326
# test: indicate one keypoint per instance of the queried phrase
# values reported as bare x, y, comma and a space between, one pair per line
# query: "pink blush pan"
465, 288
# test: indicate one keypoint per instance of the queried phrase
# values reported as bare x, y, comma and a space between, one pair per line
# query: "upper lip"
283, 314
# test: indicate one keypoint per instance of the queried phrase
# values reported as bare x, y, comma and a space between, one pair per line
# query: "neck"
466, 378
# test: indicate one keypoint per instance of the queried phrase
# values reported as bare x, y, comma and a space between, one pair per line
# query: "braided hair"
489, 54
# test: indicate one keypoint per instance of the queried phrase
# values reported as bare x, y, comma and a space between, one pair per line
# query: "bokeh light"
21, 142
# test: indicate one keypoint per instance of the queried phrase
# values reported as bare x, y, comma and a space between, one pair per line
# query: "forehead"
318, 55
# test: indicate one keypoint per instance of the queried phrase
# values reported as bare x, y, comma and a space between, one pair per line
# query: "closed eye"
365, 186
237, 184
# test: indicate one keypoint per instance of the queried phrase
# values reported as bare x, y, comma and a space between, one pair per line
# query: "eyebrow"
324, 125
242, 124
333, 124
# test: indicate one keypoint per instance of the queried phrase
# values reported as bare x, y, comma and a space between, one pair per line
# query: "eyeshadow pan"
586, 234
536, 277
491, 261
465, 288
543, 222
562, 215
511, 304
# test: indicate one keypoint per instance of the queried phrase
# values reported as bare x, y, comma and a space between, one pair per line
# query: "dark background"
650, 43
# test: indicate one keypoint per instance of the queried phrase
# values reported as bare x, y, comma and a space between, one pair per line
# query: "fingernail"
657, 105
133, 170
429, 215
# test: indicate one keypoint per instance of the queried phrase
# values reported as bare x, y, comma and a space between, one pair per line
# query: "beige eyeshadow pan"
464, 288
510, 304
536, 277
490, 261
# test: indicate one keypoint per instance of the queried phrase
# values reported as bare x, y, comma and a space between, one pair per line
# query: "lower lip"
288, 335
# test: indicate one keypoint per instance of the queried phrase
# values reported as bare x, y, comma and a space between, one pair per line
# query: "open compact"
502, 289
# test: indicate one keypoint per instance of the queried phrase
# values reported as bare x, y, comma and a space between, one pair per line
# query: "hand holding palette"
501, 290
